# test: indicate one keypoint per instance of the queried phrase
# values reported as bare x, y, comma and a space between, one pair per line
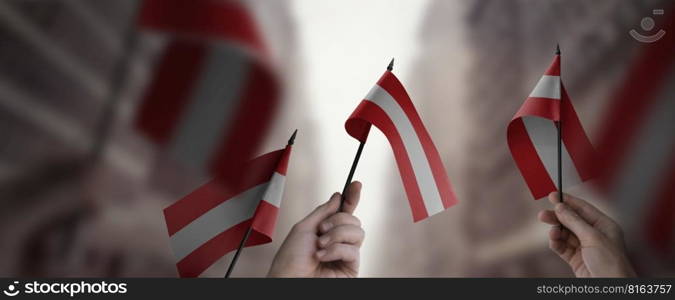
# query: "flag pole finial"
390, 67
557, 49
292, 139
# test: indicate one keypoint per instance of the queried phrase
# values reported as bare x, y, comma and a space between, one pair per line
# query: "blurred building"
61, 215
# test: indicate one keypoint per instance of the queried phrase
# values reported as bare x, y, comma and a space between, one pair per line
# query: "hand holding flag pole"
250, 227
390, 67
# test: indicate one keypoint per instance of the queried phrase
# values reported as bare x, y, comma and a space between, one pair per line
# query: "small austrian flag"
533, 139
389, 108
212, 220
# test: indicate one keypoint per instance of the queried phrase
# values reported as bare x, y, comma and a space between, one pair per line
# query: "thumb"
572, 221
352, 196
323, 211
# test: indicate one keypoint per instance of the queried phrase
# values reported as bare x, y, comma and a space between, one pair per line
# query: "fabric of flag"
213, 94
637, 150
212, 220
389, 108
533, 138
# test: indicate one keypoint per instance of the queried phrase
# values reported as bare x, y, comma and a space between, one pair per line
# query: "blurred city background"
82, 191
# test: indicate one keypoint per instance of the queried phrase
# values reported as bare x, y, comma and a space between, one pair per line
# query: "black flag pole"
236, 254
559, 127
351, 173
560, 183
250, 228
390, 67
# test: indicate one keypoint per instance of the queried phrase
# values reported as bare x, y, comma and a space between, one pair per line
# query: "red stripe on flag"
368, 112
253, 117
540, 107
282, 167
393, 86
170, 90
575, 139
199, 260
265, 219
215, 192
554, 68
227, 20
527, 160
660, 226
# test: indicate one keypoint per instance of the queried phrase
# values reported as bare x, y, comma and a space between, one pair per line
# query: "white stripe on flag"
544, 136
275, 190
641, 175
547, 87
213, 100
220, 218
413, 146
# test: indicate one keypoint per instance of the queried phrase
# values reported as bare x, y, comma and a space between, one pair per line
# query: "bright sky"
346, 46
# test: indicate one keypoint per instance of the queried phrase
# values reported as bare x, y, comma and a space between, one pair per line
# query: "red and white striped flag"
389, 108
533, 139
212, 220
213, 94
637, 152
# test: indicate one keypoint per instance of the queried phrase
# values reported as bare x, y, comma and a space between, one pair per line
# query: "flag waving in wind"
213, 94
212, 220
389, 108
532, 137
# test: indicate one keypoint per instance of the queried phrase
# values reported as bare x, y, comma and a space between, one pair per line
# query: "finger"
323, 211
339, 252
557, 246
560, 243
572, 221
548, 217
571, 239
346, 234
587, 211
564, 250
556, 234
554, 198
352, 197
337, 220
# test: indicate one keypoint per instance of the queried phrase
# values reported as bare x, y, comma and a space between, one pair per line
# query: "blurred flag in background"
213, 95
637, 147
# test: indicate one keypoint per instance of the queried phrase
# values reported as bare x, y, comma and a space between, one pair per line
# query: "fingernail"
323, 240
320, 253
325, 226
554, 196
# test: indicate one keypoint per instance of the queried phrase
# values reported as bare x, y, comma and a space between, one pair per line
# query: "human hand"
590, 242
326, 243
